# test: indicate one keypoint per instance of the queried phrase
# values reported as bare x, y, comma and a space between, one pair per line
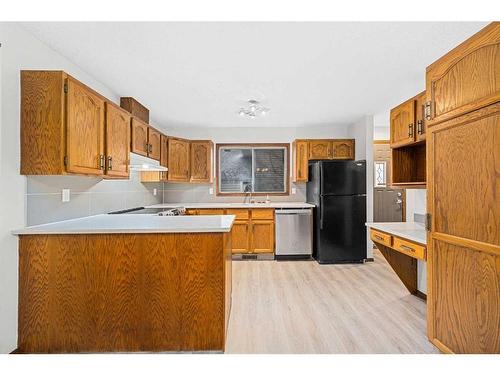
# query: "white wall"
20, 50
381, 125
362, 132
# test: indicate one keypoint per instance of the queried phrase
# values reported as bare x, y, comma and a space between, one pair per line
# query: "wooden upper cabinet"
421, 124
403, 124
154, 144
67, 128
467, 78
84, 130
139, 137
343, 149
164, 151
320, 149
178, 160
117, 141
300, 161
201, 161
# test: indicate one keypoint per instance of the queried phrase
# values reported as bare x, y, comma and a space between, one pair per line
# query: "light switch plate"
294, 190
211, 191
155, 191
66, 195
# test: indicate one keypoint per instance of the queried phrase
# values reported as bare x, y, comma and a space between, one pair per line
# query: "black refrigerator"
338, 190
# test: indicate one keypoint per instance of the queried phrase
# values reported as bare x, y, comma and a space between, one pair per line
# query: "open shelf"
409, 166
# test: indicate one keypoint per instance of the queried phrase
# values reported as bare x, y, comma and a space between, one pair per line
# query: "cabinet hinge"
428, 222
65, 87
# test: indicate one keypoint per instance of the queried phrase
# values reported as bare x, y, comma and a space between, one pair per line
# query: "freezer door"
340, 229
343, 177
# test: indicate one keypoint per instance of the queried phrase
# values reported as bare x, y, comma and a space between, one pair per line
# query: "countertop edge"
403, 232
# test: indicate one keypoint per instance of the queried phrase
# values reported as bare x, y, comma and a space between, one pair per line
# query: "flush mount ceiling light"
253, 109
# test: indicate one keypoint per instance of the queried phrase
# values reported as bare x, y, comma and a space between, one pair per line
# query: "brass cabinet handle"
150, 148
146, 146
101, 162
378, 237
408, 248
410, 130
419, 126
427, 110
110, 163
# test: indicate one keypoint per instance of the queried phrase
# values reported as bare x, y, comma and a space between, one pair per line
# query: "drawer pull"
378, 237
408, 248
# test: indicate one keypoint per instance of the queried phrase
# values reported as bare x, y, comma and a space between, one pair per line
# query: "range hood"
144, 164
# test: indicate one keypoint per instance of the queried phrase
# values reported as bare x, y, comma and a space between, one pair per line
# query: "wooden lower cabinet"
262, 236
253, 229
241, 237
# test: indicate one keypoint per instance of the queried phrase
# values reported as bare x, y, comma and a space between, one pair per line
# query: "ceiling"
200, 74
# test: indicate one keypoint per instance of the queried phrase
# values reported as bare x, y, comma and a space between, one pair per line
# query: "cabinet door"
262, 236
164, 151
300, 161
240, 236
117, 141
403, 124
139, 137
467, 78
343, 149
320, 149
178, 160
84, 130
201, 161
154, 140
463, 258
420, 117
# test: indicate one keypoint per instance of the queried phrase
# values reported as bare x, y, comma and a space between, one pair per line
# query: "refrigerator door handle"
321, 214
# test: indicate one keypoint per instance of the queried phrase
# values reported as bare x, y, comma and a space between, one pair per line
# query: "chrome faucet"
248, 196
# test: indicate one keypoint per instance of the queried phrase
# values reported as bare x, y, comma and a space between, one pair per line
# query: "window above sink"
257, 169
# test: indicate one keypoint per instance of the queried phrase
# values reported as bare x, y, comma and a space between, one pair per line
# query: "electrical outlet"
294, 190
66, 195
155, 191
211, 191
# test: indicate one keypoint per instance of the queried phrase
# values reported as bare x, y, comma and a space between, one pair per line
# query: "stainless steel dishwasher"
293, 233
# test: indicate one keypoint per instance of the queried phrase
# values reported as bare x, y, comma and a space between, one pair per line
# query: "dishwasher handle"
294, 212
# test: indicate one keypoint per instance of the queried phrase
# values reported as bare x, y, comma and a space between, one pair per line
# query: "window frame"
285, 146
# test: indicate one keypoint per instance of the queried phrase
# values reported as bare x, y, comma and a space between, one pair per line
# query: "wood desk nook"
401, 244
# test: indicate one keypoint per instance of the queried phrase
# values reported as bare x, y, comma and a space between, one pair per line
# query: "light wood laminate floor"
302, 307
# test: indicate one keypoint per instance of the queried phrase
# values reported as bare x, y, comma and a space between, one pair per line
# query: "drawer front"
263, 213
210, 211
191, 211
409, 248
382, 238
240, 213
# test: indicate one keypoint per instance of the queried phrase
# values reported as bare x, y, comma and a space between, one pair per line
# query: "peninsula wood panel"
122, 292
464, 242
117, 141
201, 161
467, 78
139, 137
42, 115
178, 160
154, 141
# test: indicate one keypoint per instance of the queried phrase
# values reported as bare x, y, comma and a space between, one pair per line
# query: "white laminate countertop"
130, 223
408, 230
235, 205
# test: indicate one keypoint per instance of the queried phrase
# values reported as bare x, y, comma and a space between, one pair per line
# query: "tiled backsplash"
191, 193
89, 196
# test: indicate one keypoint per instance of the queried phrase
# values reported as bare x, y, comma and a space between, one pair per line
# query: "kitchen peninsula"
125, 284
